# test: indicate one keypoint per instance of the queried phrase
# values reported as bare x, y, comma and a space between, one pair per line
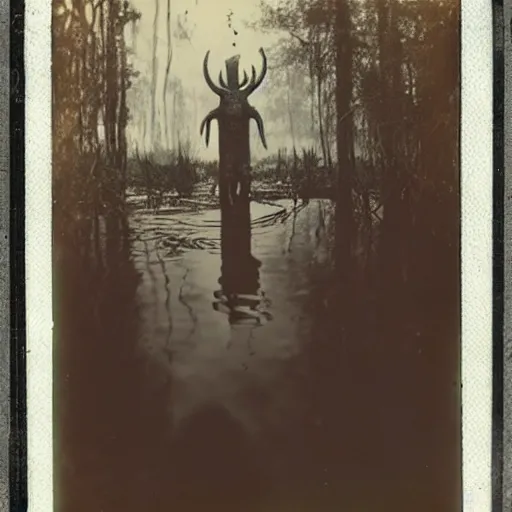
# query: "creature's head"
234, 94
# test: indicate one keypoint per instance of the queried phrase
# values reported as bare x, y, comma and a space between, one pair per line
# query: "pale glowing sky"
208, 18
210, 31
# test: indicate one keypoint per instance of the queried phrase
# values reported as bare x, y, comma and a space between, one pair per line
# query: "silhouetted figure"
233, 115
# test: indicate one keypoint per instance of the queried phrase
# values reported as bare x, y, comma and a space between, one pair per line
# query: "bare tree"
167, 71
344, 208
289, 106
154, 72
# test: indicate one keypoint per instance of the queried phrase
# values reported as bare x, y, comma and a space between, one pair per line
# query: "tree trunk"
167, 71
395, 224
320, 115
344, 231
174, 128
288, 100
312, 97
123, 118
344, 209
111, 92
327, 129
154, 71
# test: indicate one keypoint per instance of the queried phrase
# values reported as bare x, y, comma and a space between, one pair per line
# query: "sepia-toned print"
256, 221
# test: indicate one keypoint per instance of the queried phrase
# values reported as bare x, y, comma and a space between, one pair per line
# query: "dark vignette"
498, 258
18, 433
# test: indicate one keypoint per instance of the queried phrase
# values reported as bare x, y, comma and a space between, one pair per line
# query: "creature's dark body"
233, 115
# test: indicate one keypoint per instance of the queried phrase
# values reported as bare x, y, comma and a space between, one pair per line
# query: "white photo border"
476, 251
38, 254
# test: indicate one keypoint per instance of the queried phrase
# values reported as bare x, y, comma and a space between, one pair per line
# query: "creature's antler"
217, 90
214, 114
244, 81
256, 82
253, 79
254, 114
221, 81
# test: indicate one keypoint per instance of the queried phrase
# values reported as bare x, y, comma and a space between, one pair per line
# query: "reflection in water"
155, 413
112, 406
240, 296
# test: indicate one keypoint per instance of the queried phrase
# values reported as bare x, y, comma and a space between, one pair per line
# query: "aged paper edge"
476, 183
476, 251
38, 248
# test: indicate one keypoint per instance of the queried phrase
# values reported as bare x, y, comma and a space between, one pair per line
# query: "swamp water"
182, 397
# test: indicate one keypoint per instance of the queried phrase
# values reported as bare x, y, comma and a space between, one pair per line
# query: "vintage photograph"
256, 255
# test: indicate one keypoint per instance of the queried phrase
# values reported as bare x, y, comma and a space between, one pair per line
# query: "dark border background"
18, 424
18, 433
498, 399
4, 255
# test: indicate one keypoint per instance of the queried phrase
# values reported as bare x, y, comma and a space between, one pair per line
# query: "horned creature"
233, 115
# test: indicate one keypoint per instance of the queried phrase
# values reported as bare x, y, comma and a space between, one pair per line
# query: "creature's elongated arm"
254, 114
214, 114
